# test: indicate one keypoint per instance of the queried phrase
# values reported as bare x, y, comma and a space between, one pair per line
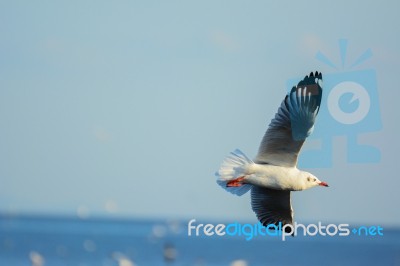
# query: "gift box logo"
350, 108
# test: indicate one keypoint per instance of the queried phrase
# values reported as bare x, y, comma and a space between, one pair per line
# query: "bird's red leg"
237, 182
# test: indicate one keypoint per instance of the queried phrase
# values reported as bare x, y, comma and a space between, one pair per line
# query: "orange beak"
323, 184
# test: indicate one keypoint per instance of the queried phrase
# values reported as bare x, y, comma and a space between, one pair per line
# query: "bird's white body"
275, 177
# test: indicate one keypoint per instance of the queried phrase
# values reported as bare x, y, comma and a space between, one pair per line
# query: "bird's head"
311, 180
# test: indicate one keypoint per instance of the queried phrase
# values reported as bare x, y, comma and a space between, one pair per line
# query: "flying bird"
273, 174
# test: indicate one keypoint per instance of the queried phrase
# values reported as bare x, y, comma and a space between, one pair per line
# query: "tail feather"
232, 167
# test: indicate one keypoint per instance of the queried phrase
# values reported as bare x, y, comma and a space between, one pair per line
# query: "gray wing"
271, 206
292, 124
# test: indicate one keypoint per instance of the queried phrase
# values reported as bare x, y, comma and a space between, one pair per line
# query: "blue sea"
42, 240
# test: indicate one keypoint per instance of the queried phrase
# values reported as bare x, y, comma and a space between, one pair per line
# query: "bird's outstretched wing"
292, 124
271, 206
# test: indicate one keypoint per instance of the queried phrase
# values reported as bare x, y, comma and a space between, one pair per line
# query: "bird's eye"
315, 179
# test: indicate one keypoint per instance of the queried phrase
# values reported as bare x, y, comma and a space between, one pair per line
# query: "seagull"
274, 173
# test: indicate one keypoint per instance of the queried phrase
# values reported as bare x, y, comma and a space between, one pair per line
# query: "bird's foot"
237, 182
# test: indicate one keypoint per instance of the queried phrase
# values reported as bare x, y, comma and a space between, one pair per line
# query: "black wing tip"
310, 80
277, 223
315, 75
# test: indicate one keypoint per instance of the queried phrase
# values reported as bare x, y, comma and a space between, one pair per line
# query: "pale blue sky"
127, 108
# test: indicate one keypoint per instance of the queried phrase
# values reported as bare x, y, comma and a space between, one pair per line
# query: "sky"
127, 108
